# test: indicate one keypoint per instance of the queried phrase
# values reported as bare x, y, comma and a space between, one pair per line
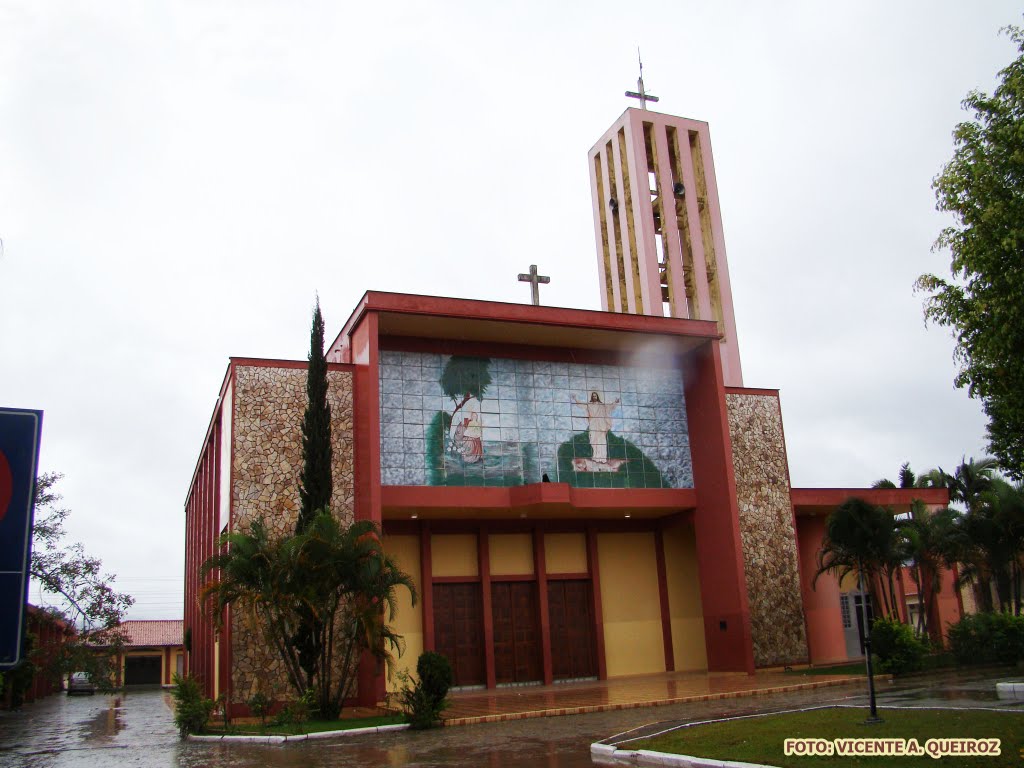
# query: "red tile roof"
160, 632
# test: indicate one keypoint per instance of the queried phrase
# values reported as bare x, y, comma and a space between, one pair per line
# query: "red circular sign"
6, 485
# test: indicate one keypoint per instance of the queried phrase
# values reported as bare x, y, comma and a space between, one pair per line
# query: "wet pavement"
136, 729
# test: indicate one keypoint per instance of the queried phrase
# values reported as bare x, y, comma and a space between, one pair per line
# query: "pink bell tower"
658, 223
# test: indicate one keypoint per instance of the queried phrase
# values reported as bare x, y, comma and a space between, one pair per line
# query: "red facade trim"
595, 595
727, 632
568, 576
811, 500
483, 544
427, 582
553, 497
504, 350
666, 613
540, 569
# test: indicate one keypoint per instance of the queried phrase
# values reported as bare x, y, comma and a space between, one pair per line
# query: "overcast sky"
178, 180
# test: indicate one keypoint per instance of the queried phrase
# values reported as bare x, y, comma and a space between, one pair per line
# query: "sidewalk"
521, 702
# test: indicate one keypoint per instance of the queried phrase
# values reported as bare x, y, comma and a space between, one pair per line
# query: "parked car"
79, 682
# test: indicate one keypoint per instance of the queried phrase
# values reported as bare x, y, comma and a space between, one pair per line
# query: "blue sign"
19, 456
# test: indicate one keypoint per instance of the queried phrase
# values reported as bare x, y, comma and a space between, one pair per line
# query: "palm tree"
253, 576
970, 481
335, 578
990, 543
926, 542
907, 479
351, 585
1008, 500
862, 538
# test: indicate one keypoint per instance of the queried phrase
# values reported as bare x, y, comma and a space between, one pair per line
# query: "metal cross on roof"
534, 280
642, 95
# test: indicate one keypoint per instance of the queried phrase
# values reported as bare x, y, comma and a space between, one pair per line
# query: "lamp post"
873, 718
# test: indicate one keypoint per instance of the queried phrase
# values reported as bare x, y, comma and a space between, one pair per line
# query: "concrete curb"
1010, 691
300, 736
606, 753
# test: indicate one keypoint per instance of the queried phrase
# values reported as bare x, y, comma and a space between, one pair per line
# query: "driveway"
136, 729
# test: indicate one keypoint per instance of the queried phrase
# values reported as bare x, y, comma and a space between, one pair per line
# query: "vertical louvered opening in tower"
706, 233
602, 201
613, 190
657, 211
627, 212
682, 221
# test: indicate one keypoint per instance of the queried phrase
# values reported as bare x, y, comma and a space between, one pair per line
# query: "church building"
578, 494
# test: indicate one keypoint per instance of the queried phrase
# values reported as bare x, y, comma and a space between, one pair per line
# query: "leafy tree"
338, 575
316, 484
86, 602
983, 302
465, 377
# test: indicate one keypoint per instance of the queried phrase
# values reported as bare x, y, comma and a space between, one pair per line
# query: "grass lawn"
313, 726
760, 739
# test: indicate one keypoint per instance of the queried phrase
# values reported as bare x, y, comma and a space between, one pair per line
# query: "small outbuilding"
153, 652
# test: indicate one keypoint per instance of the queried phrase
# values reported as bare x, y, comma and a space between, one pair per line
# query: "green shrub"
259, 705
191, 709
425, 700
296, 713
898, 649
435, 673
988, 638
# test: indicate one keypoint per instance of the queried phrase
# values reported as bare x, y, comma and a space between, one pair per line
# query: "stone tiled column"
766, 528
269, 402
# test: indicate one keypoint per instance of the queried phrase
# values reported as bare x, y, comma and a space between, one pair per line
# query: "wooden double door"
459, 631
573, 650
517, 638
515, 614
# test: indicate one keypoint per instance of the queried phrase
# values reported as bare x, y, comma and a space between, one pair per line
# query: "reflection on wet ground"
621, 693
136, 729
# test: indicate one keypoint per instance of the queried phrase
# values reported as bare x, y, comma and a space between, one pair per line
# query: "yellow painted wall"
684, 602
511, 554
216, 668
565, 552
630, 604
454, 555
409, 619
848, 583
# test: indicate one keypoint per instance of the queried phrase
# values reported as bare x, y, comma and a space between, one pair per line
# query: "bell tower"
658, 224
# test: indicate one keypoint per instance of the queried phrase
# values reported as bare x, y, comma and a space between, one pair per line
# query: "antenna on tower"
641, 93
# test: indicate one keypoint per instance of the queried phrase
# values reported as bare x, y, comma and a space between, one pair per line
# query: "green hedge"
988, 638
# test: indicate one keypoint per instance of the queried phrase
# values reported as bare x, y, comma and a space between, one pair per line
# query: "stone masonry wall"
266, 463
766, 529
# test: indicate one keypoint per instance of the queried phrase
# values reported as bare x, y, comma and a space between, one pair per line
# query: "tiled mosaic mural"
453, 420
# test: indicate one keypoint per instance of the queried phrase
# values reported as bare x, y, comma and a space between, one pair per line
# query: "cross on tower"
642, 95
534, 280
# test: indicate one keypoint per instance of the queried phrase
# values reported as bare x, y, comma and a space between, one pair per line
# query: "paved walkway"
521, 702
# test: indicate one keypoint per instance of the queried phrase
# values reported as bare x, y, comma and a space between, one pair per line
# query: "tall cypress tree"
315, 485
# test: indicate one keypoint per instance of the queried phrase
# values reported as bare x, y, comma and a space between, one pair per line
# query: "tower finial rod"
641, 93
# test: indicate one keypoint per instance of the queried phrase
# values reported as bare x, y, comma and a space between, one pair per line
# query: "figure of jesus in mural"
467, 430
599, 423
